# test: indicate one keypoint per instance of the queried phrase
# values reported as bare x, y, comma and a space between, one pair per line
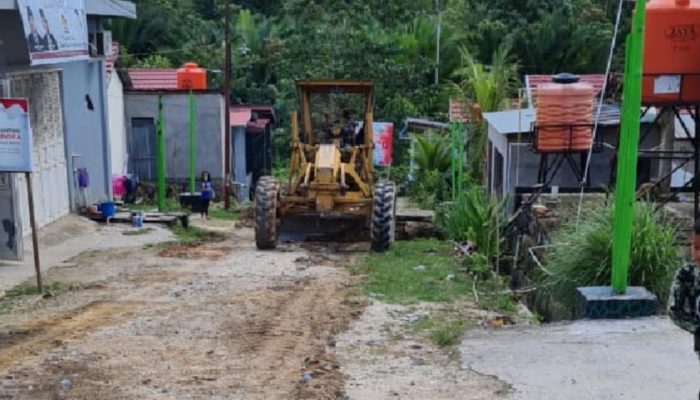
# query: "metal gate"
142, 149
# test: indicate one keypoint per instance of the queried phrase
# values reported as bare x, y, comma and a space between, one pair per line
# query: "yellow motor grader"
330, 173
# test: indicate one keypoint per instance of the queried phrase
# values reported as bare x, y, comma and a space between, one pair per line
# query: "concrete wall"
117, 126
208, 132
86, 137
240, 170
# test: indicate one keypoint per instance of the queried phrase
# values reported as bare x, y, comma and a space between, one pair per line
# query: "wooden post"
227, 110
35, 239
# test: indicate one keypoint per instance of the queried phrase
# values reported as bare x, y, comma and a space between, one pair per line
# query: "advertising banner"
56, 30
383, 143
15, 136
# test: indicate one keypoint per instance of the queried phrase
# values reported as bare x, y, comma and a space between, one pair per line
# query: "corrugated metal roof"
240, 117
534, 81
506, 122
511, 121
153, 79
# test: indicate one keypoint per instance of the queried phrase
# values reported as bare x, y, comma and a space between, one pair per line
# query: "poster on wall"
383, 143
56, 30
15, 136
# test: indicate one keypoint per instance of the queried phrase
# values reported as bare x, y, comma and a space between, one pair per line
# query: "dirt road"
219, 321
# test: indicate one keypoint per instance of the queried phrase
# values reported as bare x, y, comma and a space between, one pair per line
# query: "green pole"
192, 144
160, 154
627, 153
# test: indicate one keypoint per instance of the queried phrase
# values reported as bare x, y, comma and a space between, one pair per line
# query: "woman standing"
207, 190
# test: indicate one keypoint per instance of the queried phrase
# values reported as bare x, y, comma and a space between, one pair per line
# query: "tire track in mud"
25, 344
286, 339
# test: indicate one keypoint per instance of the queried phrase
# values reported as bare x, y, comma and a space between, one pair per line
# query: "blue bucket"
108, 208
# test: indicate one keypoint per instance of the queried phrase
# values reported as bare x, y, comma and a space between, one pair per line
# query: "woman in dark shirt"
207, 190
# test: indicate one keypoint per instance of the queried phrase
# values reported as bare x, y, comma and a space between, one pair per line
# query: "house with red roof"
250, 130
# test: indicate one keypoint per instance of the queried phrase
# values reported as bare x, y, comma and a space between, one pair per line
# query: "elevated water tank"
672, 52
564, 115
190, 76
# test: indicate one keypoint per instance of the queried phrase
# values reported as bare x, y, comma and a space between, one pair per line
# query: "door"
142, 149
10, 223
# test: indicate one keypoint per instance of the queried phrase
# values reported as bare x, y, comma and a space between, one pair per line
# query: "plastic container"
108, 209
137, 219
564, 115
672, 52
191, 201
119, 185
190, 76
83, 178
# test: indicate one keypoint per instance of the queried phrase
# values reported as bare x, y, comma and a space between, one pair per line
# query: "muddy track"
221, 322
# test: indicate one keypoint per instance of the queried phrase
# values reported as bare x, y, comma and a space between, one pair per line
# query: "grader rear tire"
266, 213
383, 216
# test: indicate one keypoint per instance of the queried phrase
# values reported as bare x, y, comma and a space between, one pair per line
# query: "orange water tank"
672, 52
190, 76
564, 115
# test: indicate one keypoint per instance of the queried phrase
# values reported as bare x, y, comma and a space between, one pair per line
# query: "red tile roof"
153, 79
240, 116
533, 81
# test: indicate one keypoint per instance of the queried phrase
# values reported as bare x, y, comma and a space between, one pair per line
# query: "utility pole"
227, 110
438, 6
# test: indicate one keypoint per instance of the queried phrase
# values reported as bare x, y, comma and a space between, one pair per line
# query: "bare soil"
218, 320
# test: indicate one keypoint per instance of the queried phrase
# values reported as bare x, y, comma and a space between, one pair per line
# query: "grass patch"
443, 329
225, 215
30, 289
415, 271
195, 235
137, 232
426, 270
448, 334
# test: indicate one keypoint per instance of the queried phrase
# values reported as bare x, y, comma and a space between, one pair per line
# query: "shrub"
475, 217
586, 257
429, 189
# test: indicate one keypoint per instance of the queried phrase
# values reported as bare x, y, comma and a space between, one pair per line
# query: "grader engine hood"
327, 170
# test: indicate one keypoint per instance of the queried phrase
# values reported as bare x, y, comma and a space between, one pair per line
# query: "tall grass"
475, 217
585, 257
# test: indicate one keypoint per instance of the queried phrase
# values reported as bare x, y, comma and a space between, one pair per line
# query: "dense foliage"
393, 42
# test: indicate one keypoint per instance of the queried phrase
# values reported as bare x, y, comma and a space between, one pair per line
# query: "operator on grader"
331, 171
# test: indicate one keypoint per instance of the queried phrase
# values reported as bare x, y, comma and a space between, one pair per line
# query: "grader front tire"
266, 213
383, 216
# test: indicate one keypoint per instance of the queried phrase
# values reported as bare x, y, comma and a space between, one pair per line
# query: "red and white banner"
383, 143
56, 30
15, 136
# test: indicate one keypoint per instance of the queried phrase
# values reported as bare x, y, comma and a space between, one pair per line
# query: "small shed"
513, 166
251, 146
142, 90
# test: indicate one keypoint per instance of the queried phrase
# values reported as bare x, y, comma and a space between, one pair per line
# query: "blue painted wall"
85, 130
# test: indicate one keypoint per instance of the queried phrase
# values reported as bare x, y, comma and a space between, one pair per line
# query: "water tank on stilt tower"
564, 115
